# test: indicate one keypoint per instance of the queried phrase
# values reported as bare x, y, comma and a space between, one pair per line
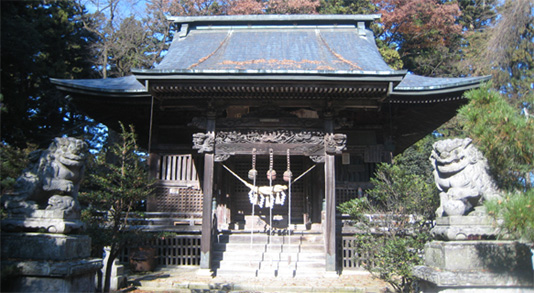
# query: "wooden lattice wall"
174, 250
179, 250
178, 186
350, 258
179, 199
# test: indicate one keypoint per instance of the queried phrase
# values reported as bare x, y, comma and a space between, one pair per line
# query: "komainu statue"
47, 190
461, 175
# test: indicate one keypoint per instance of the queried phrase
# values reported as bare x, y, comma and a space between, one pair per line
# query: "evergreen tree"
503, 134
118, 182
40, 39
506, 137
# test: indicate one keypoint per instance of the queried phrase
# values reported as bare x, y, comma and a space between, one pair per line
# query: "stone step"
264, 238
267, 256
295, 228
301, 262
294, 257
302, 254
240, 247
273, 269
240, 264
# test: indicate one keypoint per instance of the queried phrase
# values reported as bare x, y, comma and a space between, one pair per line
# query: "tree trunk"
109, 267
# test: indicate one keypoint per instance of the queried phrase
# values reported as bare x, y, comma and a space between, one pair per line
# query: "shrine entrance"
303, 195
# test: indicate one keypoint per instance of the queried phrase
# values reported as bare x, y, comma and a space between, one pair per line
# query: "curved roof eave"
127, 86
414, 85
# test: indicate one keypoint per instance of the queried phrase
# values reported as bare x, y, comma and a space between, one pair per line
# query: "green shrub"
355, 208
397, 243
517, 212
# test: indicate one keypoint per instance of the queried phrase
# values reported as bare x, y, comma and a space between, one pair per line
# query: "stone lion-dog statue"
462, 177
52, 179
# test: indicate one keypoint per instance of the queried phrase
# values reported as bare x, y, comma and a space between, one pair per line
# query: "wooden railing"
178, 170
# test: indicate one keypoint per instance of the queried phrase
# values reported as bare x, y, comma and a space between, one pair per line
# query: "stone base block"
476, 264
46, 224
453, 279
52, 276
490, 256
473, 227
42, 246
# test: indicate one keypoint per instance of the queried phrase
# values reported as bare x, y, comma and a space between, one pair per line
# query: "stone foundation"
51, 221
49, 262
471, 227
459, 265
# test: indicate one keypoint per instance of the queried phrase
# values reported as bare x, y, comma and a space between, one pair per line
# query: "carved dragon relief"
312, 143
277, 136
204, 142
335, 143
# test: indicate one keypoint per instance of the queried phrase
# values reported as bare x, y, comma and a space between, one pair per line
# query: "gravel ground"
191, 279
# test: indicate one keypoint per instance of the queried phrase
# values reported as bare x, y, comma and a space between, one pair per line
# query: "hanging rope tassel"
252, 173
271, 175
254, 200
287, 177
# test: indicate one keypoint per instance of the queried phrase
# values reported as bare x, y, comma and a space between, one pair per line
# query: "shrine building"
238, 98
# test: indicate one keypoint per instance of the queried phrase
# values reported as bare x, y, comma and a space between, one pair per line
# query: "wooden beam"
279, 149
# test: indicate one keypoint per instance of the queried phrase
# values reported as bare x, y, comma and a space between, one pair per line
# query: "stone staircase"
301, 254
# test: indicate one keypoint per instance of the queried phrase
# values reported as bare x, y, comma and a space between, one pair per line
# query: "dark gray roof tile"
412, 82
239, 47
308, 48
126, 84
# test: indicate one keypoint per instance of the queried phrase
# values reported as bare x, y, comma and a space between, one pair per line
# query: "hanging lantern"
271, 175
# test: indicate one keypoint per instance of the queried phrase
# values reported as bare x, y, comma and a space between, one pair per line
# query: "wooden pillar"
153, 167
206, 241
330, 198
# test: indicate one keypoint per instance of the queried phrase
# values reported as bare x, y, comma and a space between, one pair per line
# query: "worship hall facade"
237, 99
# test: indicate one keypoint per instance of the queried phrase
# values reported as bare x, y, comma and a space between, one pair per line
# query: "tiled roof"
274, 47
309, 48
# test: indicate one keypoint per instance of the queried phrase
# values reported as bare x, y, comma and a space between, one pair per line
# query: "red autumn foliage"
273, 7
293, 6
419, 24
245, 7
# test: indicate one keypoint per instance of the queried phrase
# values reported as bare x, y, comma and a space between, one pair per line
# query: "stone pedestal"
51, 221
475, 265
475, 226
49, 262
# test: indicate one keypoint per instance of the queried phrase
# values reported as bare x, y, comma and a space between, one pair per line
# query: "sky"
126, 7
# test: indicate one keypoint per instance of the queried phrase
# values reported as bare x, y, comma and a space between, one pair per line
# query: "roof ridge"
274, 18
